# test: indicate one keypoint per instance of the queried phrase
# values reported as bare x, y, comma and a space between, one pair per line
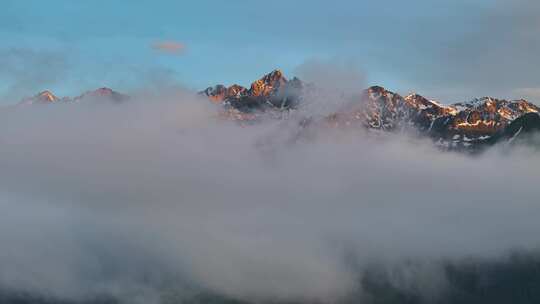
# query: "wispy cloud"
529, 93
169, 47
25, 71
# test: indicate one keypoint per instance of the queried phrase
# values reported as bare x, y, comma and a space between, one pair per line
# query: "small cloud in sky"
169, 47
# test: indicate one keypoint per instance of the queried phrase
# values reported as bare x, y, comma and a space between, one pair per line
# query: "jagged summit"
272, 90
274, 77
47, 96
264, 87
268, 84
377, 89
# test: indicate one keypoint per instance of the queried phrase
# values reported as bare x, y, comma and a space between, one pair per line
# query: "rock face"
464, 125
521, 128
268, 85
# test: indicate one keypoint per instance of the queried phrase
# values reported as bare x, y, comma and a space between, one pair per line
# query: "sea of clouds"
160, 197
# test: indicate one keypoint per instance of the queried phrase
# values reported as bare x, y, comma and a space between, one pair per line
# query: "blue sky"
450, 50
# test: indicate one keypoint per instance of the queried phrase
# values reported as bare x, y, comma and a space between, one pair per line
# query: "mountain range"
464, 126
101, 94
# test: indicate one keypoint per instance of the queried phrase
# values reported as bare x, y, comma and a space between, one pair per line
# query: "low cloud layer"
159, 197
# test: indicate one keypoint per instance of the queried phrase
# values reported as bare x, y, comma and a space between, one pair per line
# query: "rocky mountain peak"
102, 94
268, 84
47, 96
44, 97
